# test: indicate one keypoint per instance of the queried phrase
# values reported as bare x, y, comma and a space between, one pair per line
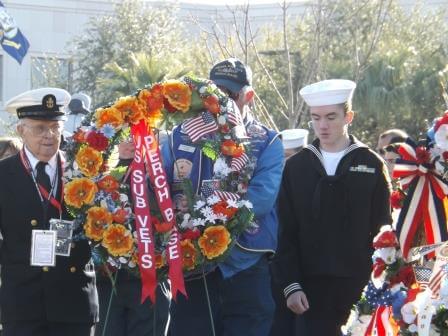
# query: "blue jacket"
182, 159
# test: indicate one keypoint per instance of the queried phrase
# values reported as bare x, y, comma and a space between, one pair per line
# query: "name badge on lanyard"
43, 248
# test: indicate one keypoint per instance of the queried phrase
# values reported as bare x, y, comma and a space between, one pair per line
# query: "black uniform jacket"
64, 293
327, 223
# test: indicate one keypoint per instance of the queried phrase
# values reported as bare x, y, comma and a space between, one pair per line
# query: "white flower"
103, 204
221, 217
209, 215
199, 204
222, 120
203, 89
441, 137
409, 312
221, 168
124, 198
413, 328
213, 199
232, 204
198, 222
123, 260
387, 254
245, 203
186, 223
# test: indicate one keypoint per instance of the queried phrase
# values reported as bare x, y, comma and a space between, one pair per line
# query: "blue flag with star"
11, 38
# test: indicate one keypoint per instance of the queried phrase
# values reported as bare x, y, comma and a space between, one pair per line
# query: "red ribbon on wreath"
147, 151
425, 192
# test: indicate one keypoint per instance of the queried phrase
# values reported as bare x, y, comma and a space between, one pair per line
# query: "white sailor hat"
294, 138
41, 104
328, 92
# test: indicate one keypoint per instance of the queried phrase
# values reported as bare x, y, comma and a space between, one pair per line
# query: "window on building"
51, 71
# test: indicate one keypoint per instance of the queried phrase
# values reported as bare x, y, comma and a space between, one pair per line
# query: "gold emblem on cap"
49, 102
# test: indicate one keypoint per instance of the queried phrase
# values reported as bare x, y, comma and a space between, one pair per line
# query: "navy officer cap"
39, 104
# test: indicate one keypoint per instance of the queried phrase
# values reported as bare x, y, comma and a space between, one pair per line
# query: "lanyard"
45, 196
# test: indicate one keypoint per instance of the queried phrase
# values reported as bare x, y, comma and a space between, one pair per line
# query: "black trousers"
45, 328
127, 316
330, 300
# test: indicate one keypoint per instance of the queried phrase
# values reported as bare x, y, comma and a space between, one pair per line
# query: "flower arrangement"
408, 290
99, 197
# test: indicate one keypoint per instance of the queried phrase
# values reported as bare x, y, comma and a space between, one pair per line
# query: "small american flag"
436, 281
233, 113
199, 126
239, 162
208, 187
226, 195
422, 275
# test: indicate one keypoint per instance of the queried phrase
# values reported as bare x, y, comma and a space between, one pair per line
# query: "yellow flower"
79, 192
98, 219
214, 241
118, 240
132, 110
189, 254
89, 161
178, 94
109, 115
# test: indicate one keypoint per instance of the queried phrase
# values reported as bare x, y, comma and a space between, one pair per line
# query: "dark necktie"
42, 177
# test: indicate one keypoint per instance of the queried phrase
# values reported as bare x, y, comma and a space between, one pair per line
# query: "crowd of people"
317, 207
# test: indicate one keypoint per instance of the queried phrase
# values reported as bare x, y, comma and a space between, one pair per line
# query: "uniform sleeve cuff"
292, 288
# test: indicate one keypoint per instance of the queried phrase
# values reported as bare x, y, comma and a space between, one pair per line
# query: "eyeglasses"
41, 130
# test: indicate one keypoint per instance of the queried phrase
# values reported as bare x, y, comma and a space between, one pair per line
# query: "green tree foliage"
135, 44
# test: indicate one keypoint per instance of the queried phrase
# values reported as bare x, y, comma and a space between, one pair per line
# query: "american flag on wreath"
233, 113
238, 163
226, 195
199, 126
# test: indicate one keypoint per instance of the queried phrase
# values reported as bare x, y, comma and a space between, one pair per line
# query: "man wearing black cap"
43, 292
239, 287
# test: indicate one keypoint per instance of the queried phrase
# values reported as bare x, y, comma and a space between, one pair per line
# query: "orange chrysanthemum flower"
159, 261
189, 254
231, 148
89, 161
79, 192
98, 219
132, 110
152, 101
118, 240
108, 183
178, 94
109, 115
222, 208
214, 241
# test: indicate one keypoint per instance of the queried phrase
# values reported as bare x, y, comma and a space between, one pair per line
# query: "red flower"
396, 199
191, 234
97, 141
445, 156
405, 275
120, 216
211, 103
170, 108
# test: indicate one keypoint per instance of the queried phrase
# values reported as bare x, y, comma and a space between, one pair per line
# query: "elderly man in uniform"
333, 199
44, 291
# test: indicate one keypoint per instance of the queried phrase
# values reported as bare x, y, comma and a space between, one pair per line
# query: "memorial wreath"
131, 223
